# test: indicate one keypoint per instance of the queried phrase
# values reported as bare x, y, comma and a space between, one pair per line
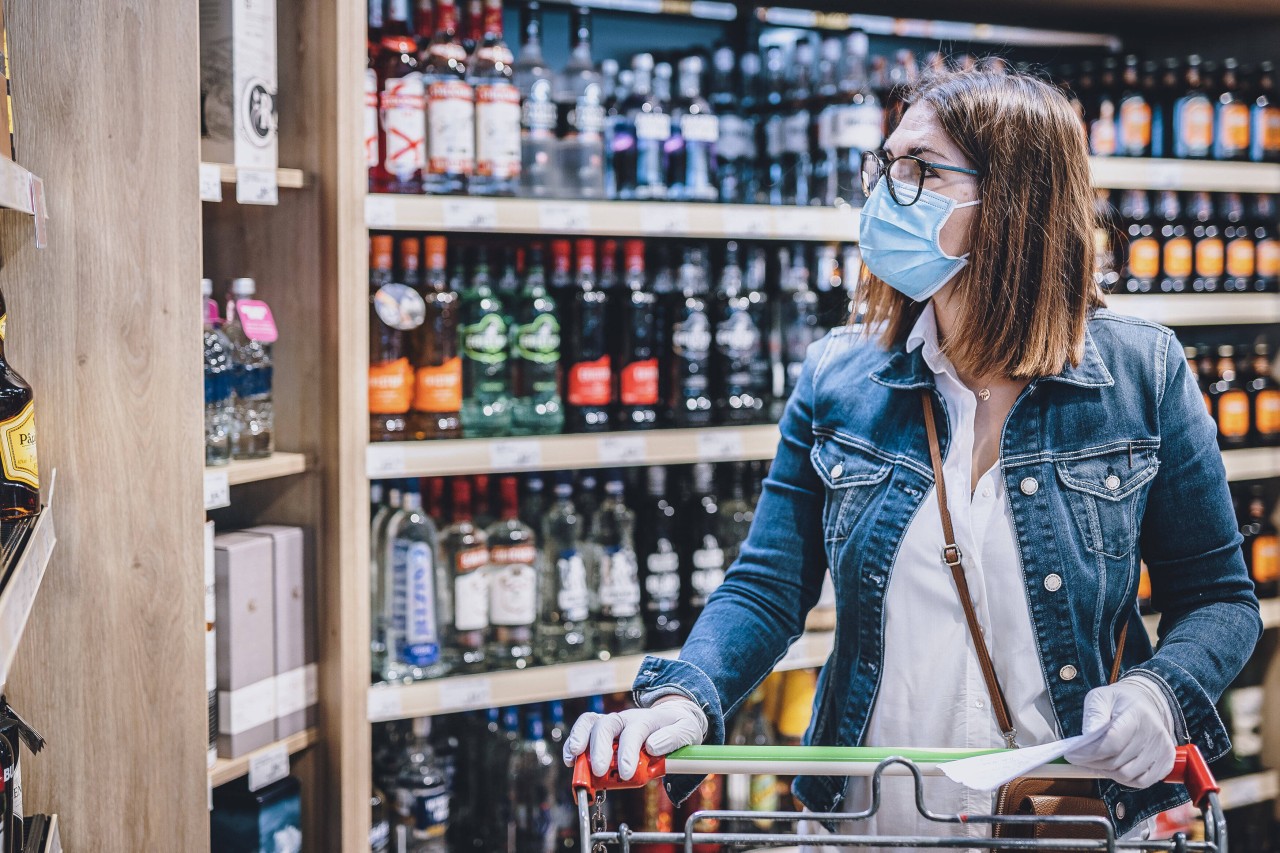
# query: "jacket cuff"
660, 677
1195, 716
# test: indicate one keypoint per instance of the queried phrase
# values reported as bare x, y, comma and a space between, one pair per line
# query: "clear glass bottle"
797, 158
422, 795
464, 549
513, 583
736, 144
535, 782
857, 124
659, 554
706, 560
536, 404
638, 133
695, 132
564, 630
736, 513
497, 111
691, 342
739, 387
483, 340
798, 318
616, 573
451, 107
538, 175
379, 556
401, 97
579, 75
418, 600
253, 428
219, 384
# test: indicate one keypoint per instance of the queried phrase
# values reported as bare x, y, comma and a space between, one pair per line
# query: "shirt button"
986, 493
1029, 486
1053, 583
837, 470
1067, 673
1119, 811
1112, 482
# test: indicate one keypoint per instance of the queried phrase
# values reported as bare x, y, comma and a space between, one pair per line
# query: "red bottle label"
590, 383
640, 383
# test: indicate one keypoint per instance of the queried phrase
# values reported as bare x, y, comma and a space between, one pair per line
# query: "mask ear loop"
954, 208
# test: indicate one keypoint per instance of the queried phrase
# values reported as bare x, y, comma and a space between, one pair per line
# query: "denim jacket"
1106, 462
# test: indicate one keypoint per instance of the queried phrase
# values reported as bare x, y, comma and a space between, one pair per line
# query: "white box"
238, 83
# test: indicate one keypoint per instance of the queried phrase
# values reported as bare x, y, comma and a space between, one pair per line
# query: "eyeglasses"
906, 171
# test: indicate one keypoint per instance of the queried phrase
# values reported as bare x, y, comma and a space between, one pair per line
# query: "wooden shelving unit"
1248, 790
16, 187
226, 770
19, 593
1131, 173
286, 179
1199, 309
219, 479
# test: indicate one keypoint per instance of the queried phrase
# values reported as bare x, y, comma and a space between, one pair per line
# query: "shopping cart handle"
650, 767
1190, 769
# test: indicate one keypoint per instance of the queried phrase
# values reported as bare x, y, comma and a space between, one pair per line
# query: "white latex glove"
672, 722
1138, 747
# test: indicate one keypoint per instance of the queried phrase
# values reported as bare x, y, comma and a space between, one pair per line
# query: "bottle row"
239, 418
15, 733
479, 574
1240, 391
19, 467
269, 818
588, 338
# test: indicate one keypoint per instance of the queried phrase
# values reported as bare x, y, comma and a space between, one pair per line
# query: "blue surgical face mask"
900, 245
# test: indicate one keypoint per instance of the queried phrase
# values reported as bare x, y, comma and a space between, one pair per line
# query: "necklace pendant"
984, 394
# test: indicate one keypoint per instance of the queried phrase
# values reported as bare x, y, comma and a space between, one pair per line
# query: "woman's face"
919, 134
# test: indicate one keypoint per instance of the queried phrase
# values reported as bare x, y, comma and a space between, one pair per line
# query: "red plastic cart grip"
650, 767
1190, 769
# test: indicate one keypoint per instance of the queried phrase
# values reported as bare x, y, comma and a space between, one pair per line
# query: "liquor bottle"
497, 111
667, 304
395, 310
1106, 237
379, 821
759, 792
609, 279
856, 123
1266, 244
1264, 392
402, 109
473, 29
483, 340
564, 630
691, 150
736, 513
1264, 117
740, 384
422, 795
464, 549
1102, 116
709, 796
253, 428
798, 320
536, 406
616, 573
1231, 115
1194, 361
513, 583
902, 80
417, 603
1142, 262
580, 101
1262, 545
1209, 249
1230, 401
1240, 250
1242, 707
826, 90
534, 787
797, 159
372, 156
706, 547
482, 504
691, 343
1133, 127
587, 500
1176, 252
437, 396
538, 176
735, 144
378, 572
590, 375
637, 391
1193, 116
533, 503
451, 107
637, 135
659, 557
1144, 589
561, 284
375, 20
219, 384
424, 18
1206, 373
579, 73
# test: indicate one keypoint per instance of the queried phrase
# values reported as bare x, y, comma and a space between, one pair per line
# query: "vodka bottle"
464, 549
418, 602
695, 131
534, 787
537, 115
378, 574
659, 554
638, 133
798, 316
797, 158
691, 343
856, 123
451, 107
579, 73
497, 119
219, 384
564, 630
736, 143
579, 96
638, 362
587, 499
706, 543
253, 427
536, 405
402, 152
486, 375
513, 583
739, 386
616, 573
422, 795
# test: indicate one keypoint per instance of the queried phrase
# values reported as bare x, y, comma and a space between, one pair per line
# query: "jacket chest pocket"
850, 474
1104, 491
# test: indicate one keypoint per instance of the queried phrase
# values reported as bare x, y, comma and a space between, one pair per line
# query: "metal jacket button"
1053, 583
1067, 673
1112, 483
1029, 486
837, 470
1119, 811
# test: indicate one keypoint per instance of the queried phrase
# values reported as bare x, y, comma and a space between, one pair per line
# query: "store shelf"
16, 187
218, 480
653, 219
1200, 309
1132, 173
1252, 463
1269, 609
286, 179
706, 10
544, 683
227, 770
20, 588
1240, 791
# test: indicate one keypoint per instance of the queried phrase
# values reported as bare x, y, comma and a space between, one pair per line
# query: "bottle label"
700, 128
572, 598
404, 121
773, 136
1102, 132
1266, 558
539, 340
451, 128
619, 583
764, 794
653, 126
1233, 414
1246, 708
588, 117
1268, 258
662, 577
1233, 128
486, 340
1178, 257
1240, 258
391, 387
415, 566
1210, 257
691, 339
429, 809
471, 590
590, 383
1144, 258
370, 118
18, 448
1194, 123
380, 837
737, 337
1270, 129
737, 141
513, 591
398, 306
439, 388
640, 383
538, 115
795, 133
256, 320
1266, 411
858, 127
1135, 125
498, 130
708, 569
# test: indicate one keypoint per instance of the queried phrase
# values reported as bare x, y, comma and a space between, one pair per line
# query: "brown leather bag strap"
1115, 664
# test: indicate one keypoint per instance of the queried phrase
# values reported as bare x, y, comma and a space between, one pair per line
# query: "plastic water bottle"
218, 379
253, 427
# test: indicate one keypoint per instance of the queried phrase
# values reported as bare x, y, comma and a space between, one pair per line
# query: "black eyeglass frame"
885, 164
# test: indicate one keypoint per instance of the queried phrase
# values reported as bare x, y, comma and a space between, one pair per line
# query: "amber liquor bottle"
19, 474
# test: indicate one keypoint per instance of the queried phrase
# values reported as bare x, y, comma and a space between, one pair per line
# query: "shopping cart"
589, 791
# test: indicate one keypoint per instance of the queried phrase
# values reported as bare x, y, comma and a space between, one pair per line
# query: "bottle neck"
446, 21
690, 87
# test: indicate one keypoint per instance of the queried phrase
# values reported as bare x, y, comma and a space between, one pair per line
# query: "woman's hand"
672, 722
1137, 749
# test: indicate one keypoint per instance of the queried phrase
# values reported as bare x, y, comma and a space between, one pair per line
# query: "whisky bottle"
19, 473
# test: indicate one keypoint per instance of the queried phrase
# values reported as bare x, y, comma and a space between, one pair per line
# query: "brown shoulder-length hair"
1024, 297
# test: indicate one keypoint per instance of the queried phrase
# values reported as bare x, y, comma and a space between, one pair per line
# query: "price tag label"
470, 214
664, 219
384, 704
217, 490
589, 679
379, 212
515, 455
801, 223
384, 460
465, 693
622, 450
716, 445
257, 186
268, 766
40, 213
210, 182
709, 10
1166, 176
560, 216
747, 221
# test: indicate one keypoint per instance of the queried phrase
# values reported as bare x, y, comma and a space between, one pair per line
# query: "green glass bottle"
536, 405
482, 338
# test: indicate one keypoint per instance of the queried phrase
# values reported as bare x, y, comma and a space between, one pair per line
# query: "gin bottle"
564, 630
418, 600
218, 384
486, 380
616, 574
422, 795
513, 583
465, 551
497, 144
253, 428
536, 406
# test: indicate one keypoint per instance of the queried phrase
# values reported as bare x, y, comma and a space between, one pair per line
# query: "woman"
1075, 441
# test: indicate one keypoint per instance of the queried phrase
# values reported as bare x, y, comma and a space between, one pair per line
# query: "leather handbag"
1026, 795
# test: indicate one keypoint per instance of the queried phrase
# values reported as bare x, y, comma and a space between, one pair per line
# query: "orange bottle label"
1208, 403
1240, 258
1266, 412
1102, 135
1210, 256
1233, 414
1268, 254
1135, 124
1266, 558
1234, 127
1144, 258
439, 389
1271, 129
591, 383
639, 385
390, 387
1178, 257
1197, 124
1144, 582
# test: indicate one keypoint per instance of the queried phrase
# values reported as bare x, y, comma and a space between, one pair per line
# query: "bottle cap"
722, 59
380, 251
206, 286
586, 254
410, 253
436, 251
614, 487
642, 62
691, 65
1226, 351
634, 251
560, 250
243, 287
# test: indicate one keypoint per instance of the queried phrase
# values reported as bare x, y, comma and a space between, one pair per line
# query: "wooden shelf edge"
286, 179
1199, 309
1136, 173
20, 590
1248, 790
227, 770
1252, 463
254, 470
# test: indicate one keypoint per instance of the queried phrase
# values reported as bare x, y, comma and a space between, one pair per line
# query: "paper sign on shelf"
746, 221
515, 455
470, 214
217, 490
591, 679
379, 212
210, 182
384, 703
664, 219
621, 449
385, 460
719, 444
563, 216
270, 765
257, 186
464, 693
